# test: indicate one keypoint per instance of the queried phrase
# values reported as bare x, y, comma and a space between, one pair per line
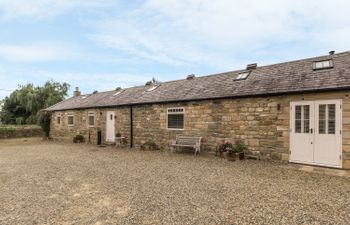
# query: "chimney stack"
331, 52
76, 93
252, 66
191, 77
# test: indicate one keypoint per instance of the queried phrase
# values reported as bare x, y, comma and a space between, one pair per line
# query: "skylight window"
152, 88
118, 92
324, 64
242, 76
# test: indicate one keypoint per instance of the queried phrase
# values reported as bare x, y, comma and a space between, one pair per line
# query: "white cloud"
35, 52
10, 9
216, 33
93, 81
88, 81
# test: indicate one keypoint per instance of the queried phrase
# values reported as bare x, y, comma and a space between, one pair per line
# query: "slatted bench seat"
190, 142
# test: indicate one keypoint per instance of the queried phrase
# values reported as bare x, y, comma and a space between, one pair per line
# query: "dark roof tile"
289, 77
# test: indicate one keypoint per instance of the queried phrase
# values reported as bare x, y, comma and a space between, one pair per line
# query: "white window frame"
152, 88
323, 64
70, 115
181, 111
59, 115
118, 92
242, 75
88, 119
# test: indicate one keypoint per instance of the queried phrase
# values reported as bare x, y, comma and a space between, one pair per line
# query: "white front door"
110, 126
316, 132
328, 133
302, 137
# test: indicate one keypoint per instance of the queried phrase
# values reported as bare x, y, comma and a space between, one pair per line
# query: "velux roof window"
243, 75
152, 88
324, 64
118, 92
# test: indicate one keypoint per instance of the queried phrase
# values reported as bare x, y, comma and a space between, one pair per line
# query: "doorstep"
320, 170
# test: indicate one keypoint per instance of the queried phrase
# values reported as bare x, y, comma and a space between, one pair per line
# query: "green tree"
22, 106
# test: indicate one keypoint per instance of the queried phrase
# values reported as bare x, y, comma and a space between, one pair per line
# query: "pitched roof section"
289, 77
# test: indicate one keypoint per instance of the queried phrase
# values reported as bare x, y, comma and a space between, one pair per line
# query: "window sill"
175, 129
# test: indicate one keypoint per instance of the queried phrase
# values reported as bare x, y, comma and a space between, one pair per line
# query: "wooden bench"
190, 142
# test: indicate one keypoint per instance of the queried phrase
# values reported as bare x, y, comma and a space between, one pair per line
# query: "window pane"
176, 121
298, 112
331, 119
298, 119
331, 111
322, 119
91, 120
70, 120
306, 110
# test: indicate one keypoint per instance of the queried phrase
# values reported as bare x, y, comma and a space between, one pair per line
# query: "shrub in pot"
149, 145
239, 151
226, 148
78, 138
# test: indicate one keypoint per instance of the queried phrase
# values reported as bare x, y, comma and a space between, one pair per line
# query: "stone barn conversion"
296, 111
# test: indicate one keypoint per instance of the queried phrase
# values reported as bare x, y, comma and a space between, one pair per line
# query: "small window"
324, 64
176, 118
70, 119
302, 119
118, 92
242, 76
326, 119
152, 88
91, 119
58, 119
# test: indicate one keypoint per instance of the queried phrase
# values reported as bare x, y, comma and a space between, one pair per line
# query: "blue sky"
103, 44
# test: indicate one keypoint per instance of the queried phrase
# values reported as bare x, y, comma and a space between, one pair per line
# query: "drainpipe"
131, 129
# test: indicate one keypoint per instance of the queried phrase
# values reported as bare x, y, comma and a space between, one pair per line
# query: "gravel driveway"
50, 182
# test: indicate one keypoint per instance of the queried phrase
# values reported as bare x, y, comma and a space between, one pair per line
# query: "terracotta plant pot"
234, 155
241, 156
226, 155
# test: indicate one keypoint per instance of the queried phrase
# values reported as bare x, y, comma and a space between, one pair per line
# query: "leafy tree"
22, 106
44, 120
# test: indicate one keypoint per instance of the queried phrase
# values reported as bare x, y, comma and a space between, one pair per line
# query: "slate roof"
288, 77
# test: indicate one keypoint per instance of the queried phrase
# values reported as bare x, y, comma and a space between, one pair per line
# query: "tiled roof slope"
289, 77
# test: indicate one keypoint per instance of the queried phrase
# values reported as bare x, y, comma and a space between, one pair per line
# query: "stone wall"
261, 123
19, 131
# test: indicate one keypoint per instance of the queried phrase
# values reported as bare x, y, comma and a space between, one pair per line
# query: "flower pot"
226, 154
234, 155
241, 156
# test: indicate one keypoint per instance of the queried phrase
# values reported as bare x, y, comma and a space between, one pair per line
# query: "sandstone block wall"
261, 123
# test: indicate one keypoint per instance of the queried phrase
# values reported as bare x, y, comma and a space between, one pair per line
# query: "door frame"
291, 124
292, 129
107, 121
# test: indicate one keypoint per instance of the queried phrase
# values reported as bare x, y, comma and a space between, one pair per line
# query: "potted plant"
78, 138
239, 151
149, 145
226, 149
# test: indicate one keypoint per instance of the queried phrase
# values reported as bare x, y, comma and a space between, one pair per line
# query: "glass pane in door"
331, 118
322, 119
306, 120
298, 119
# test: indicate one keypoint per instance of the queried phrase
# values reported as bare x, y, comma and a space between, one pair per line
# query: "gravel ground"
54, 183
